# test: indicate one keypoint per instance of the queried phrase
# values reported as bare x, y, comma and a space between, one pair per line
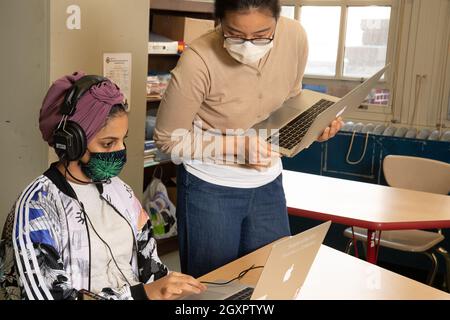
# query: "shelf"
183, 5
154, 99
165, 54
155, 163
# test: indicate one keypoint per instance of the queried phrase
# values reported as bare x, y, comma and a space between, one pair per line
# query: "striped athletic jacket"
45, 247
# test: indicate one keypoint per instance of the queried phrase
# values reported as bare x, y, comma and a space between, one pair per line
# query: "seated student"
79, 226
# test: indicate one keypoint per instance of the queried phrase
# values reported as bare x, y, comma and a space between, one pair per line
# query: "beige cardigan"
208, 85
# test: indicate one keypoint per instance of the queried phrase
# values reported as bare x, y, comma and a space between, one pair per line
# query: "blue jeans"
218, 224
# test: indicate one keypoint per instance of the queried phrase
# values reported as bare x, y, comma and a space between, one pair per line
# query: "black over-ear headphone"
69, 138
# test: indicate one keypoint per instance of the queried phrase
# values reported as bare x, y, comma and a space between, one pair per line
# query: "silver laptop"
302, 119
283, 275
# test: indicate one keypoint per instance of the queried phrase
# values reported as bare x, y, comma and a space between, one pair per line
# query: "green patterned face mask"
104, 165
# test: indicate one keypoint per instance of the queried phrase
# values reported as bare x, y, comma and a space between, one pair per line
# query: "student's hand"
173, 286
259, 153
331, 131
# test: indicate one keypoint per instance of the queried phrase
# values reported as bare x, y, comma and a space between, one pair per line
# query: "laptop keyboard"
244, 294
292, 133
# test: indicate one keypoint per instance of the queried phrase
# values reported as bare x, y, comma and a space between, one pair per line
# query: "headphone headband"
77, 90
69, 138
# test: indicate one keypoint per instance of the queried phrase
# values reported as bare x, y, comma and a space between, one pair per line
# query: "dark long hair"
222, 6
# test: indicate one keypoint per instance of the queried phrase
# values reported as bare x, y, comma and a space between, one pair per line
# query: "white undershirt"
233, 176
115, 231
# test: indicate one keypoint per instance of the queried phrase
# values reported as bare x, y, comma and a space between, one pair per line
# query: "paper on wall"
117, 67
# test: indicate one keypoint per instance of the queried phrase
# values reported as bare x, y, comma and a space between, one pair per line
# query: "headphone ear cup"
79, 141
60, 142
70, 141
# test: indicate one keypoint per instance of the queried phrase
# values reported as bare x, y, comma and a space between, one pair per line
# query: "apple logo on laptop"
288, 273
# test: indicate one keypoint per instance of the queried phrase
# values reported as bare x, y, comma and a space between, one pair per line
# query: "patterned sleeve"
32, 267
150, 266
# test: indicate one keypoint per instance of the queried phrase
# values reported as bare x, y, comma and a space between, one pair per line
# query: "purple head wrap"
92, 108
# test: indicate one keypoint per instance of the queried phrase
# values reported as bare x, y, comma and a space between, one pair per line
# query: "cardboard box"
181, 28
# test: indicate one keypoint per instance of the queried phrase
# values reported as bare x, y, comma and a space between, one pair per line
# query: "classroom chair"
418, 174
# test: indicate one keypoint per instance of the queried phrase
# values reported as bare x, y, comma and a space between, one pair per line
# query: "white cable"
347, 158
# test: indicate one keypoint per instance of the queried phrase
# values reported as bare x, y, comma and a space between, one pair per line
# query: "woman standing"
227, 81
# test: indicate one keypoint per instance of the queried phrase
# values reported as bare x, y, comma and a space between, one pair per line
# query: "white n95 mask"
247, 52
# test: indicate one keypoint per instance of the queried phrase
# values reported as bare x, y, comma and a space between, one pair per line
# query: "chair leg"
434, 265
446, 257
349, 246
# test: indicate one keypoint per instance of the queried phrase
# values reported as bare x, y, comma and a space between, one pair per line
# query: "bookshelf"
155, 163
183, 6
160, 64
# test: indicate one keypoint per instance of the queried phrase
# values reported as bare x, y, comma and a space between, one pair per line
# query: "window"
448, 110
288, 11
378, 97
360, 32
348, 40
366, 40
322, 26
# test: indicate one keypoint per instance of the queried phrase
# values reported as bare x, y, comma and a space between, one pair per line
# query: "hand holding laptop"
309, 116
261, 155
331, 130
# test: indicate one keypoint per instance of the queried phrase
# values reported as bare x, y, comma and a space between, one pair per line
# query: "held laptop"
302, 119
283, 275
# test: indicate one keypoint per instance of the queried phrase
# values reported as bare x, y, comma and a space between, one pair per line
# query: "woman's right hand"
259, 153
173, 286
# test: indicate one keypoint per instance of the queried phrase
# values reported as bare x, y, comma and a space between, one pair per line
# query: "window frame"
391, 56
444, 120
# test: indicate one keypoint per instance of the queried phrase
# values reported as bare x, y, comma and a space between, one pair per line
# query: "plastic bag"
160, 210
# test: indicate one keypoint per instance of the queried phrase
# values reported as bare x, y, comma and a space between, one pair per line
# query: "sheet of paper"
117, 67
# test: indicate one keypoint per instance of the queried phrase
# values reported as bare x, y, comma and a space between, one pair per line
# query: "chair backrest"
417, 173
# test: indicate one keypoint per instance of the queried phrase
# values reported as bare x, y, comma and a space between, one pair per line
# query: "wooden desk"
336, 275
370, 206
